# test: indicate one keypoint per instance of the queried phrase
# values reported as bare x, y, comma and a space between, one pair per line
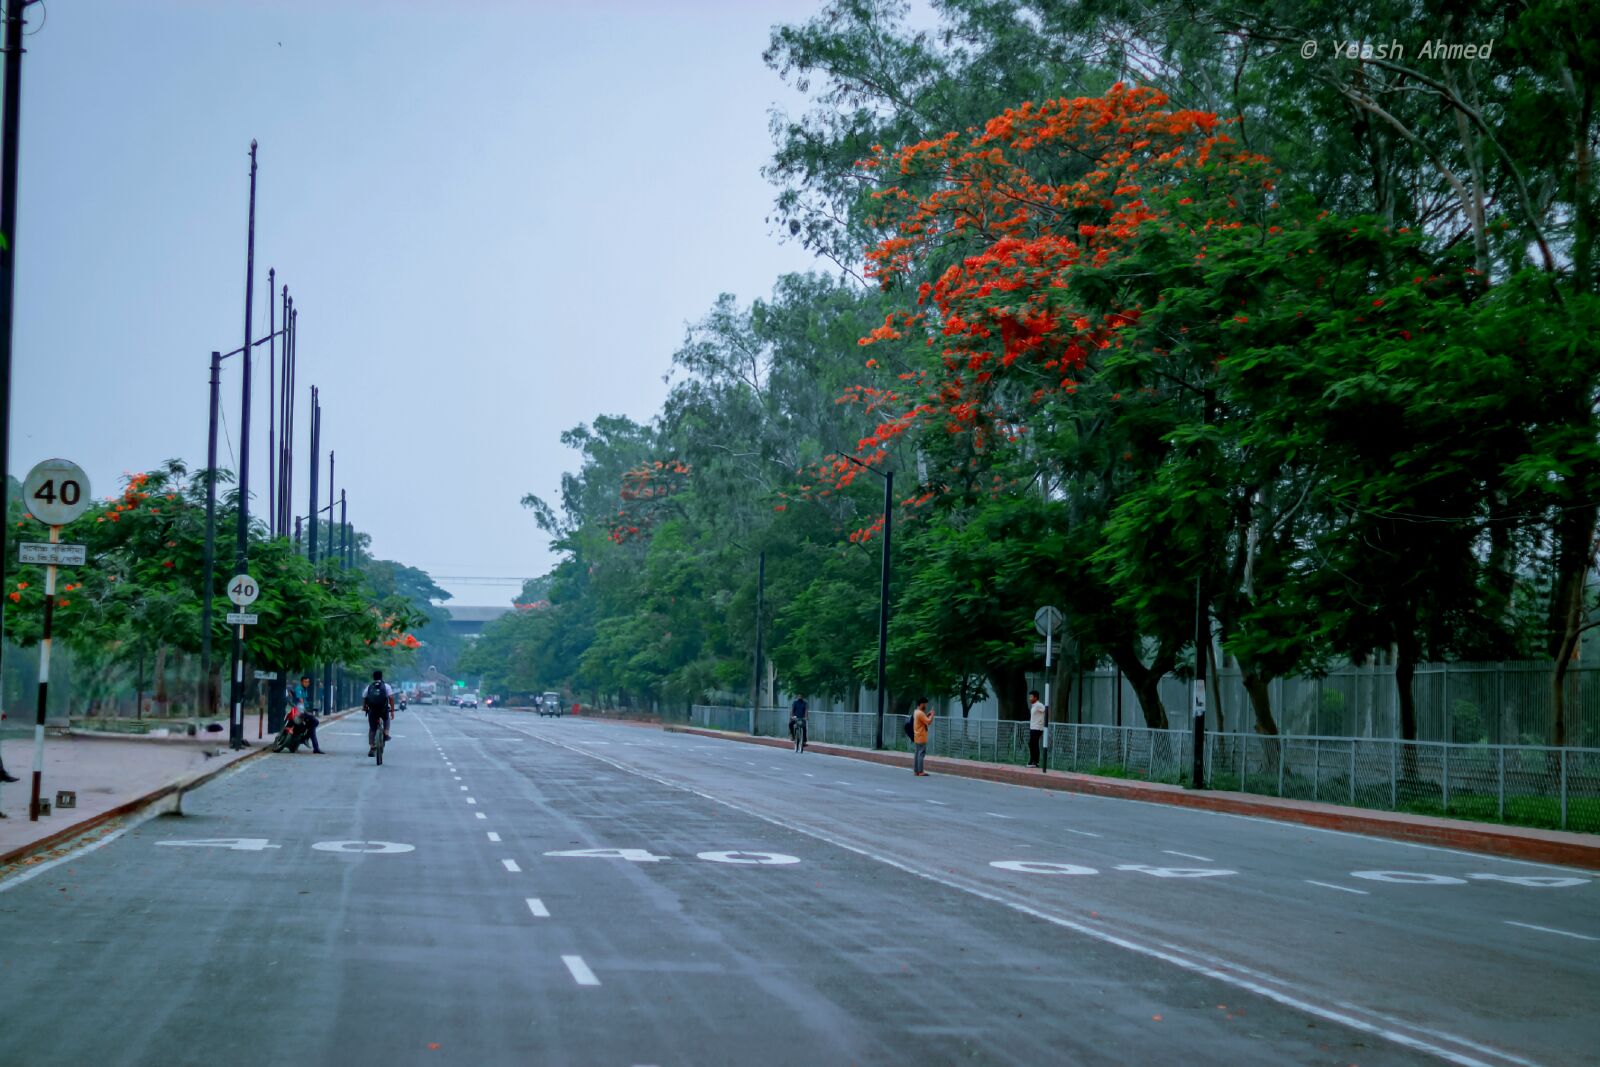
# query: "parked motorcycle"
296, 732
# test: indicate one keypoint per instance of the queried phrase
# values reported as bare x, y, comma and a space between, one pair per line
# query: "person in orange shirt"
919, 735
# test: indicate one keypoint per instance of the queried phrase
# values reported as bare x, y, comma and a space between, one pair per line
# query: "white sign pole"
44, 680
1049, 642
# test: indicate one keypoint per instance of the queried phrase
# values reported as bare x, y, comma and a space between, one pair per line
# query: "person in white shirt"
1036, 714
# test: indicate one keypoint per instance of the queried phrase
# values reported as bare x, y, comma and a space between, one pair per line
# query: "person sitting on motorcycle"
301, 697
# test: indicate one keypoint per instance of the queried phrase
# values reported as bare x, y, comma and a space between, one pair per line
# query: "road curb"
1513, 842
173, 790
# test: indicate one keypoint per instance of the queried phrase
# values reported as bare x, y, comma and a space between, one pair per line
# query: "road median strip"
1512, 842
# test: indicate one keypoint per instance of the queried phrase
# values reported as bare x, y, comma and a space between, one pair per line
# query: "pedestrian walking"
919, 736
1036, 713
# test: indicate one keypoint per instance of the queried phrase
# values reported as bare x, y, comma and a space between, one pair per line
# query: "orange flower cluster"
1020, 210
644, 491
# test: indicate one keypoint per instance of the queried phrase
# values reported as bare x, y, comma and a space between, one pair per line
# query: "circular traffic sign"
243, 590
1047, 619
56, 492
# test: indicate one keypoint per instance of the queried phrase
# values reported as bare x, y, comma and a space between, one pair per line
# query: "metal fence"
1461, 703
1527, 785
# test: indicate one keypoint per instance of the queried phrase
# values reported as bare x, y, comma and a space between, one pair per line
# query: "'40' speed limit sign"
243, 590
56, 492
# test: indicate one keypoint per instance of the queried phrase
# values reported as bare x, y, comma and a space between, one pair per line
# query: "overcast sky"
495, 218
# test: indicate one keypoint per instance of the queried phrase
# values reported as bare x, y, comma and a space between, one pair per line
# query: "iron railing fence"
1509, 703
1532, 785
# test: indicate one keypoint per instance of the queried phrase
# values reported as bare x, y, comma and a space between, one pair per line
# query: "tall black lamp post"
883, 594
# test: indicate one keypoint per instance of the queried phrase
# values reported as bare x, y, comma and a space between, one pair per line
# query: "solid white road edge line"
33, 872
536, 906
1388, 1029
580, 970
1550, 930
1340, 888
1189, 856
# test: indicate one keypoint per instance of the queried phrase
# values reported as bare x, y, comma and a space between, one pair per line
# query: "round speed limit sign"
243, 590
56, 492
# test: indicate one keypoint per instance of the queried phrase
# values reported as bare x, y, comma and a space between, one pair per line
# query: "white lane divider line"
941, 803
808, 774
481, 815
463, 789
1340, 888
471, 801
1551, 930
458, 777
1080, 833
580, 970
493, 836
1189, 856
889, 792
536, 906
511, 865
997, 815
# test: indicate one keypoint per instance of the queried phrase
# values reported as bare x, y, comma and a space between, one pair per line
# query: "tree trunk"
1259, 689
1010, 686
1575, 540
1405, 669
163, 699
1146, 682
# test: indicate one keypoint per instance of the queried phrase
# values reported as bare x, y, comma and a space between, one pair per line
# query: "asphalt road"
516, 890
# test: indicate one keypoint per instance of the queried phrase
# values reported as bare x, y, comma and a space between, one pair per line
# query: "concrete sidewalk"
1517, 842
112, 774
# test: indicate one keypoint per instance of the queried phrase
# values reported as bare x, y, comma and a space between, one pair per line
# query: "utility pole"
311, 508
1201, 639
210, 680
883, 604
9, 126
755, 676
236, 699
327, 668
272, 404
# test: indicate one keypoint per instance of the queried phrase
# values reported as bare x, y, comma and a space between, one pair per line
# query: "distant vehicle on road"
550, 704
469, 700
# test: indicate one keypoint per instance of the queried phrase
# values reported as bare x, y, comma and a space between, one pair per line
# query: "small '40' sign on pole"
56, 492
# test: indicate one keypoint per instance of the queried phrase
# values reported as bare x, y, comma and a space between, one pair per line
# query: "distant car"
455, 702
550, 704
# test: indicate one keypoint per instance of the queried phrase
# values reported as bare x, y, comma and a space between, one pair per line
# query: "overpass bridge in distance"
469, 620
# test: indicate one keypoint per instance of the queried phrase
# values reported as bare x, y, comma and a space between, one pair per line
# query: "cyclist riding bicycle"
379, 706
797, 722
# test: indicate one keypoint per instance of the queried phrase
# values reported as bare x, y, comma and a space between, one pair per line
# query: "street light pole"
755, 676
236, 697
327, 668
272, 404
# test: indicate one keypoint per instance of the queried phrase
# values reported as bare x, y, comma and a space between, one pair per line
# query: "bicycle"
797, 731
377, 738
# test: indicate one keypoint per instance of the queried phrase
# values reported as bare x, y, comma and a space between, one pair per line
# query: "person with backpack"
797, 723
920, 722
379, 706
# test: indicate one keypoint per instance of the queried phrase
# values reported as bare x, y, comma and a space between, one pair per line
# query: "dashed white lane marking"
1550, 930
580, 970
1340, 888
997, 815
493, 836
471, 801
511, 865
481, 815
458, 777
808, 774
1080, 833
844, 783
1189, 856
536, 906
941, 803
889, 792
463, 789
